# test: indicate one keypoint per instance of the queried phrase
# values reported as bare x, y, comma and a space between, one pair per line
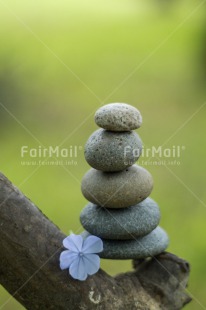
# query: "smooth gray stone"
152, 244
112, 151
118, 117
119, 224
117, 189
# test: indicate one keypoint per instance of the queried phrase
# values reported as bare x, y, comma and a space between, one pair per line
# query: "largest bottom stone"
152, 244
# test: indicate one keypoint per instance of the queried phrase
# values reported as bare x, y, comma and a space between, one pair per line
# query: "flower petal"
77, 269
66, 258
73, 242
92, 244
92, 263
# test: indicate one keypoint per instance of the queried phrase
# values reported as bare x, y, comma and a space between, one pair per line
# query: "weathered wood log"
30, 245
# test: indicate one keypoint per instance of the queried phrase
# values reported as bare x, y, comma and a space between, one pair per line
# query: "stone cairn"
120, 211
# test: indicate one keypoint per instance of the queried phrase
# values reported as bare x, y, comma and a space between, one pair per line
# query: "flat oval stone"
117, 189
118, 117
120, 224
112, 151
152, 244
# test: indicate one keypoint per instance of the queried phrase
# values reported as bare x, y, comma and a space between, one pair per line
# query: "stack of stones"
120, 211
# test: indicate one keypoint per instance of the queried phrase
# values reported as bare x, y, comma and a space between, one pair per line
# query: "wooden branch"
29, 267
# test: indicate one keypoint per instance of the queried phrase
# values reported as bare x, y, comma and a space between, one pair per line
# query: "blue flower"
80, 258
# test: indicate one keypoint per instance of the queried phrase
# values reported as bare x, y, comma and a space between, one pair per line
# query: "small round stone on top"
118, 117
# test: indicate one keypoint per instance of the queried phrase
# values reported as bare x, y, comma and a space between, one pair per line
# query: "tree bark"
30, 246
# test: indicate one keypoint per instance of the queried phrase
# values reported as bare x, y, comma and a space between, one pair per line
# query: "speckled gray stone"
112, 151
118, 117
152, 244
117, 189
120, 224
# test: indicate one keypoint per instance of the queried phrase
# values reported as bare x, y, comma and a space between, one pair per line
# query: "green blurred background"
61, 60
